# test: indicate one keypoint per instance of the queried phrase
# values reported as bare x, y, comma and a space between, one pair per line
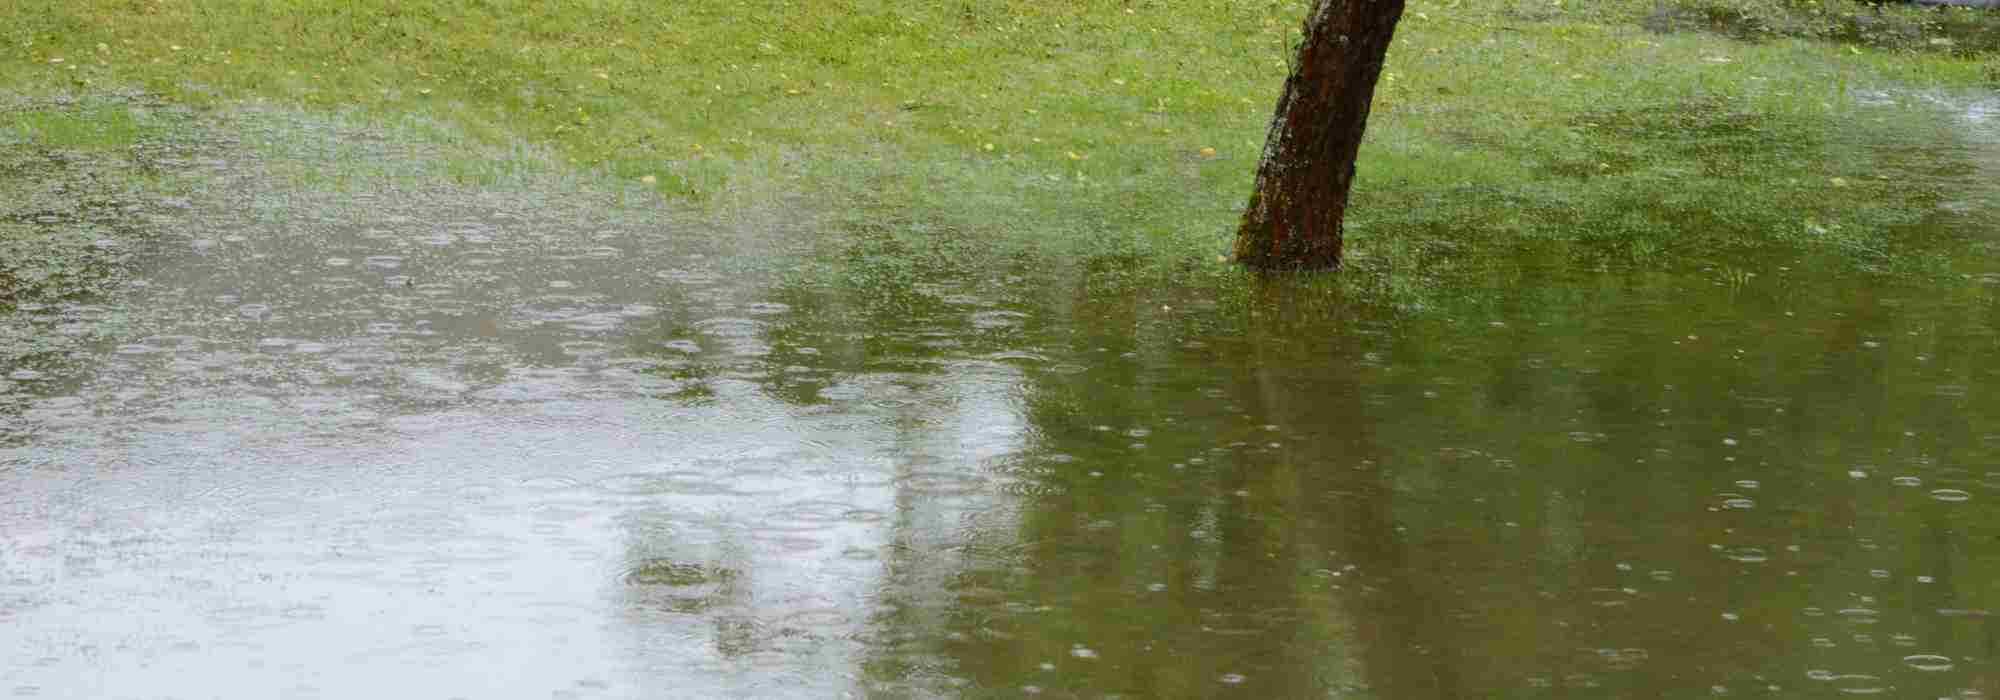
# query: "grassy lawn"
1119, 131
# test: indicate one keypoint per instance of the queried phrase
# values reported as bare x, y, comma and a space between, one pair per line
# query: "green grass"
95, 126
1093, 130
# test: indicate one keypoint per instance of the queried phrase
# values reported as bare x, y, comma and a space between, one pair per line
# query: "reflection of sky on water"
513, 552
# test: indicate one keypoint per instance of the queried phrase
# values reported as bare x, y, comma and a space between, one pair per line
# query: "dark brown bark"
1293, 220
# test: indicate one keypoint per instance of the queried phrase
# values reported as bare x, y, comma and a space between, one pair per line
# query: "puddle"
383, 435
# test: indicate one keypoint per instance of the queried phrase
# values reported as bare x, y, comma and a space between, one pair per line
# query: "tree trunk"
1293, 220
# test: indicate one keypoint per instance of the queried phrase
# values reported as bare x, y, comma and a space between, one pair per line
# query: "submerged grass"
1120, 134
75, 179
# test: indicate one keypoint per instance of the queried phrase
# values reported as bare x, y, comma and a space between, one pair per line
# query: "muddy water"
427, 442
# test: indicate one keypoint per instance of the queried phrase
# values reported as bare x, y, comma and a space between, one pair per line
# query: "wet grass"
95, 125
1118, 134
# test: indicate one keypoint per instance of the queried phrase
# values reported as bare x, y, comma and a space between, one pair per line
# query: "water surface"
430, 442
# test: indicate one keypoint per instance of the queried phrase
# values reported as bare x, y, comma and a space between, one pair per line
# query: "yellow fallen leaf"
649, 179
1073, 155
1208, 150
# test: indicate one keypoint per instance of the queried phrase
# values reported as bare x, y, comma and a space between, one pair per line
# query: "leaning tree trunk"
1293, 220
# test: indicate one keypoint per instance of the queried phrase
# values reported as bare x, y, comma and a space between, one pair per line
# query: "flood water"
437, 443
